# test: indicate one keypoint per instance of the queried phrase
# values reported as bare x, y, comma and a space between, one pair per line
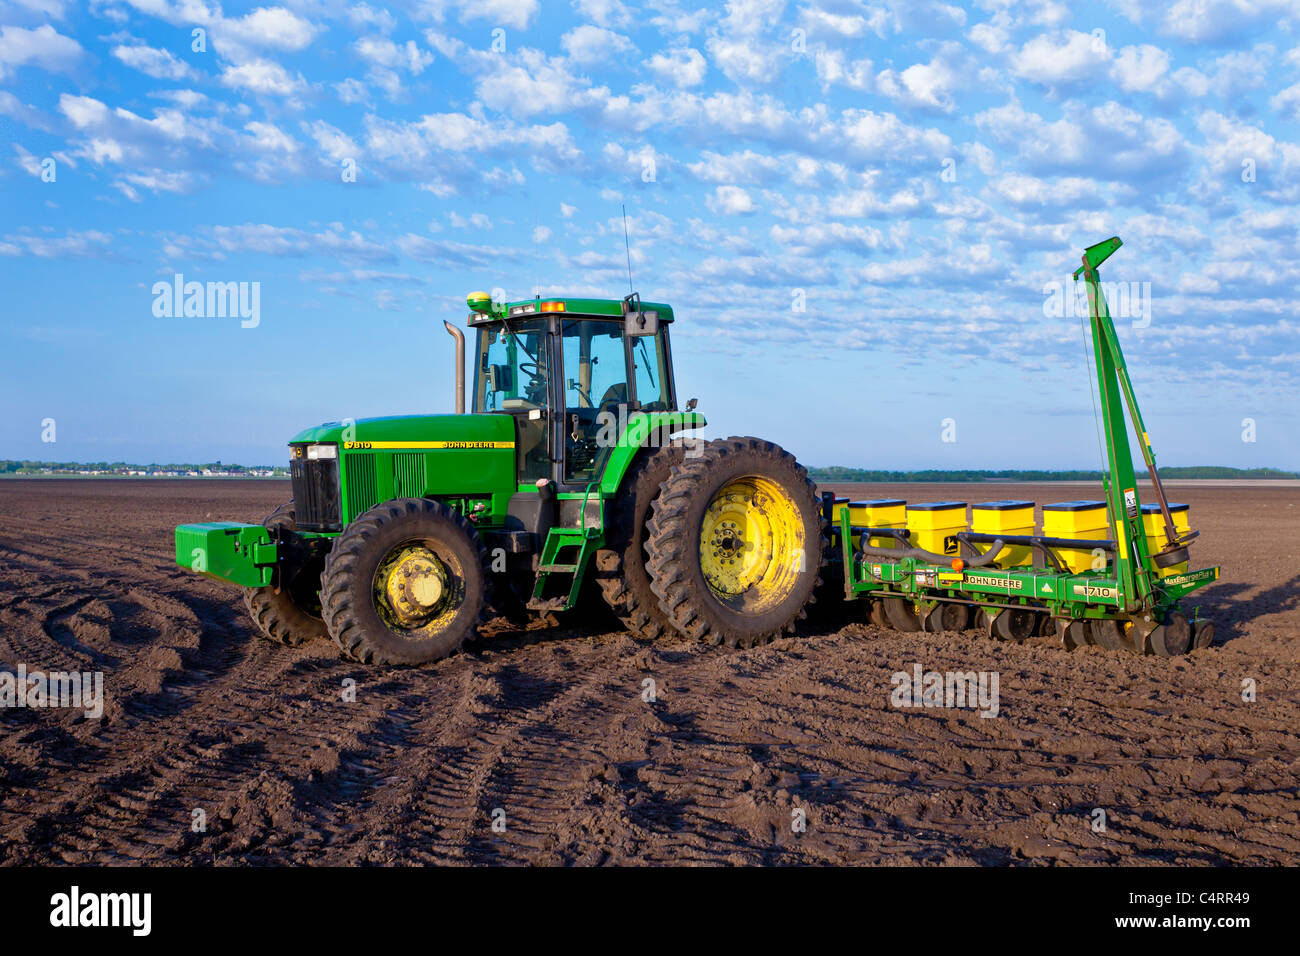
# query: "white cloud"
819, 237
383, 52
1230, 142
590, 45
273, 27
529, 83
1213, 21
11, 106
743, 167
992, 37
333, 142
922, 84
443, 251
85, 244
831, 70
745, 58
1135, 146
283, 241
1066, 57
1140, 68
885, 136
851, 25
156, 181
683, 67
160, 64
604, 13
262, 77
351, 91
477, 220
516, 14
236, 39
1030, 191
1287, 102
269, 138
44, 46
28, 163
731, 201
365, 17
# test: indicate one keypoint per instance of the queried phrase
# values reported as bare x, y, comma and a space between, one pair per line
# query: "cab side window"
650, 367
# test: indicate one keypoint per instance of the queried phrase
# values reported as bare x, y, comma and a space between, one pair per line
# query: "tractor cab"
570, 372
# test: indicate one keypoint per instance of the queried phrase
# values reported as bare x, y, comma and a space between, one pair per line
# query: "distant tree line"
839, 473
14, 467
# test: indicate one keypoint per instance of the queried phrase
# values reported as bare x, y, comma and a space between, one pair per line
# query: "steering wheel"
615, 395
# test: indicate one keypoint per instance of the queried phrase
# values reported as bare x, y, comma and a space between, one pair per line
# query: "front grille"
315, 493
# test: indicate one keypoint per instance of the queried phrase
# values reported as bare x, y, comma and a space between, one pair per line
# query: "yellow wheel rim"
752, 544
417, 593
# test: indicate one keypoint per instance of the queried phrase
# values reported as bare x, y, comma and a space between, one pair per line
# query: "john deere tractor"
404, 531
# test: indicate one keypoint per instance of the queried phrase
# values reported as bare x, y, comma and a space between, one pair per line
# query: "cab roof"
568, 305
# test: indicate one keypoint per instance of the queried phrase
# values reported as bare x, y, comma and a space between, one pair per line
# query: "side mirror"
640, 323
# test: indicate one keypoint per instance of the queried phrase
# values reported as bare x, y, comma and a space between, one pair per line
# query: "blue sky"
914, 174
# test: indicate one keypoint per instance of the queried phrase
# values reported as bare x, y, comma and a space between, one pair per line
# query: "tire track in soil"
497, 742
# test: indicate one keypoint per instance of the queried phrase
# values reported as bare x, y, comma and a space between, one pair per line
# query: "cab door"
514, 377
596, 393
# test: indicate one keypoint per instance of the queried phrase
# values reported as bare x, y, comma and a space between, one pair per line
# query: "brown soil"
549, 725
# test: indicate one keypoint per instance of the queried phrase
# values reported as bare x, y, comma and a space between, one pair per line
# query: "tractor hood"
474, 430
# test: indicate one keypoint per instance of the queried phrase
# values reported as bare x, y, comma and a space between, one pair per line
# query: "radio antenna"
628, 246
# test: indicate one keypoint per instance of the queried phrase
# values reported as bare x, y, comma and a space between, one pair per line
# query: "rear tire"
406, 583
736, 543
291, 617
621, 565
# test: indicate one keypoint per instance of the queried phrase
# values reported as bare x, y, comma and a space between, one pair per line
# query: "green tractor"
405, 532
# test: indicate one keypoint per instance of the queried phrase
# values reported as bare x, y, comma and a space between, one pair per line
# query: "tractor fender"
640, 427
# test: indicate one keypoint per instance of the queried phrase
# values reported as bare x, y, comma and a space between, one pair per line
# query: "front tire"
289, 614
405, 583
736, 543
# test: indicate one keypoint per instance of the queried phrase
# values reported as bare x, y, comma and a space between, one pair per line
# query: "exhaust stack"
459, 336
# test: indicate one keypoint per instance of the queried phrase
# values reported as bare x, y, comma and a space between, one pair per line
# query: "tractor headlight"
322, 451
